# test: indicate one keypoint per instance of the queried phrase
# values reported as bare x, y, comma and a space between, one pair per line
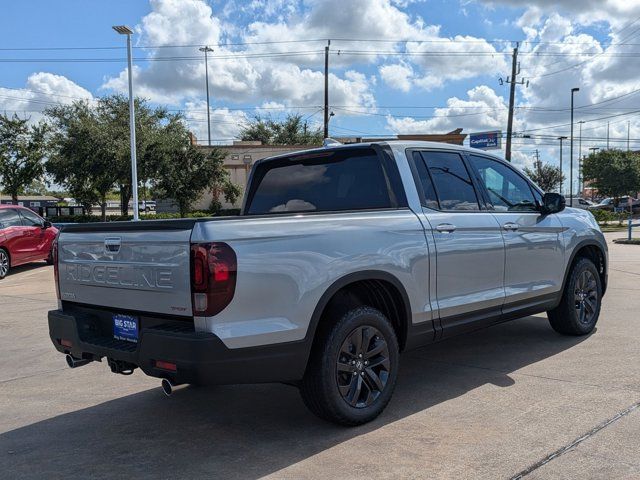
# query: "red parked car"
24, 237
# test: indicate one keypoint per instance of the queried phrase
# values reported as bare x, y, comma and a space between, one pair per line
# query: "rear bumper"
200, 358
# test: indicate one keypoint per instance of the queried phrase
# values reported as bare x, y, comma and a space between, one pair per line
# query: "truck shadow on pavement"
248, 431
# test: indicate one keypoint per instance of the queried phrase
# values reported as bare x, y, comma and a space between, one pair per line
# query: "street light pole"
561, 179
124, 30
207, 49
580, 183
573, 90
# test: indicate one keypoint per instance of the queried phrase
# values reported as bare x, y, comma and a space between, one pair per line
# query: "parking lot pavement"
513, 399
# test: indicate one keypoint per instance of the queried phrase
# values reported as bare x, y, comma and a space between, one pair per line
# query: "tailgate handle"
112, 244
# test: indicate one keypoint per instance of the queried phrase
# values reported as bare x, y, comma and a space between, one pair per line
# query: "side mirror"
552, 203
46, 224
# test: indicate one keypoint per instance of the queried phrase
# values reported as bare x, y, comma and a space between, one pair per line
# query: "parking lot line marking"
576, 442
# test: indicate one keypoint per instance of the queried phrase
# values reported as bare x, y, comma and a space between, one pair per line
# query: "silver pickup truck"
342, 258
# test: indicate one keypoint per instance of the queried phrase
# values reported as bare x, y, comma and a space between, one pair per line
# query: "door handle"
446, 228
511, 226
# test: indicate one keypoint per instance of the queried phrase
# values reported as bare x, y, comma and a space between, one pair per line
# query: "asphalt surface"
515, 399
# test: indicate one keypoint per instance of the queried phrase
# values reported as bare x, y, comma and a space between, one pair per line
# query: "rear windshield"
349, 179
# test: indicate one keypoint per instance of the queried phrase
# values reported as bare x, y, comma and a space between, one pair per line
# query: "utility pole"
628, 133
607, 135
326, 89
561, 139
512, 81
207, 49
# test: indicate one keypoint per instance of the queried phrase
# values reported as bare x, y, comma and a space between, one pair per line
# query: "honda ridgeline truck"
342, 257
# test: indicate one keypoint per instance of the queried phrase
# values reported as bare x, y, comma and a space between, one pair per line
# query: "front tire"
579, 308
5, 263
353, 368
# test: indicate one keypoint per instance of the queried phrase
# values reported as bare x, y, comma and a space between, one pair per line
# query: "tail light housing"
56, 271
213, 277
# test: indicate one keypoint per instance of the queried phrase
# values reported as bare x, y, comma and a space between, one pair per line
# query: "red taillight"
213, 277
172, 367
56, 272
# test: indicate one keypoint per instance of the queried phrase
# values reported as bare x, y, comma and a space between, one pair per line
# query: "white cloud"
585, 12
225, 124
482, 110
398, 76
232, 78
179, 22
41, 90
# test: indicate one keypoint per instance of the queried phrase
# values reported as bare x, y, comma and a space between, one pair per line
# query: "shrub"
603, 216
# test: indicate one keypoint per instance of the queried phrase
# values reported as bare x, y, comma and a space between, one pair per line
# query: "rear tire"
579, 308
5, 263
353, 368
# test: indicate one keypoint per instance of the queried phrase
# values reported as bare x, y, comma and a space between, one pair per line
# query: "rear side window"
9, 218
430, 199
350, 179
451, 180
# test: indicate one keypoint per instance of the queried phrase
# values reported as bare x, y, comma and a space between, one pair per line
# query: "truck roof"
392, 143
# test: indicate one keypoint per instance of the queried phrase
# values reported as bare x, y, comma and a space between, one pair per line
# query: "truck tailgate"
127, 266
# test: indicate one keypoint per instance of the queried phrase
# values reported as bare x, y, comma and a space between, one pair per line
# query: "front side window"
349, 179
9, 218
451, 181
508, 191
30, 219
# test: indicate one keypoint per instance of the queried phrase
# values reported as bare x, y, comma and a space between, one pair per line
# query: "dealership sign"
486, 140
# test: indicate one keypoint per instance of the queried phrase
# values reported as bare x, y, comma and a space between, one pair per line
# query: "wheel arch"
376, 288
593, 251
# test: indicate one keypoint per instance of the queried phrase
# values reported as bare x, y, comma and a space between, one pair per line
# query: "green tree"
113, 112
91, 148
546, 176
293, 130
183, 172
36, 187
82, 154
613, 173
22, 150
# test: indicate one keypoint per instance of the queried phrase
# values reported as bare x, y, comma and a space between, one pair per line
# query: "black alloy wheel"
362, 367
586, 297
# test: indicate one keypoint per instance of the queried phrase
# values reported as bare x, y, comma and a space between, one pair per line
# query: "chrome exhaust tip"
74, 362
168, 387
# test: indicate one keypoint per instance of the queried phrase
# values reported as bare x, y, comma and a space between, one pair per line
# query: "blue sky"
410, 57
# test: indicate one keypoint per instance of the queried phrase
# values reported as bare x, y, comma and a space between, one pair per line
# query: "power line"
318, 40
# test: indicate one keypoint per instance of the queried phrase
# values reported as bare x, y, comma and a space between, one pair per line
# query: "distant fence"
64, 211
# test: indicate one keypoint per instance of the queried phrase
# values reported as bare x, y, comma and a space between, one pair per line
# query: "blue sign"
486, 140
125, 327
